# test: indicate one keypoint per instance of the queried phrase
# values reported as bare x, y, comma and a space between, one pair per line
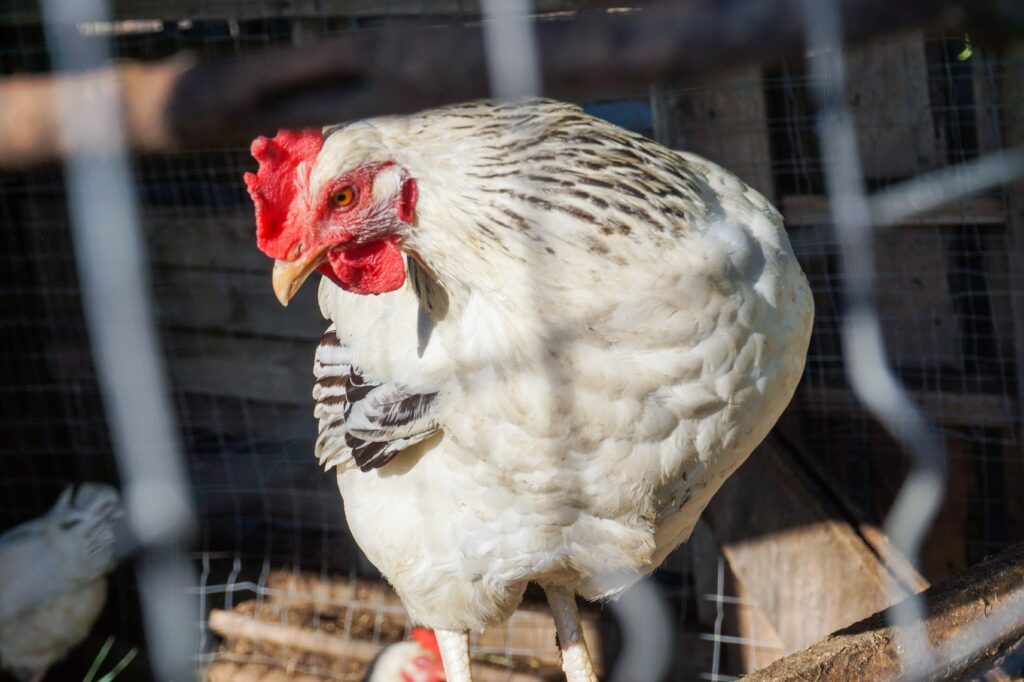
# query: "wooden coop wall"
949, 284
950, 300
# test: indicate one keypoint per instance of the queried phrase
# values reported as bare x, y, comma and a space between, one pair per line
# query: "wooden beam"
367, 73
797, 552
972, 621
236, 626
196, 10
267, 370
530, 630
237, 303
195, 238
954, 409
1012, 108
813, 209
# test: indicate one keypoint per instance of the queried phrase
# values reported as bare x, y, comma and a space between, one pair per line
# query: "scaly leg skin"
454, 654
575, 658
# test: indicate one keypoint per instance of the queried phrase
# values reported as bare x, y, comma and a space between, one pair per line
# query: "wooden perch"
367, 73
528, 630
972, 621
231, 625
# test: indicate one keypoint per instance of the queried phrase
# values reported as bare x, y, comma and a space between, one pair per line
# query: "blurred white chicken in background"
53, 578
418, 660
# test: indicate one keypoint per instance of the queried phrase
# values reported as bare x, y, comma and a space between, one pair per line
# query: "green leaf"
98, 661
122, 664
968, 50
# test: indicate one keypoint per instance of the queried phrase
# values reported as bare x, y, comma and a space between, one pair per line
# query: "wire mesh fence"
271, 542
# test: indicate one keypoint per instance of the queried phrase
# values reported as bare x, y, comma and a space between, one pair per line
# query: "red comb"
428, 640
286, 161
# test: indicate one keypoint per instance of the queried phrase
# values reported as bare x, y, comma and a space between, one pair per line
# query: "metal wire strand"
118, 312
867, 364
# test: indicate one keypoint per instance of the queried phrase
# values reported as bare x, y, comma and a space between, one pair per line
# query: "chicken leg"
575, 658
454, 647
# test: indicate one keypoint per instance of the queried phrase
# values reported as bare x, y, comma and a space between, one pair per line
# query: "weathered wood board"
796, 552
887, 91
1012, 108
269, 370
236, 302
307, 621
972, 622
724, 121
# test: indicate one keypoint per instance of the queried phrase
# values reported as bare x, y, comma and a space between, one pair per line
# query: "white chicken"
552, 341
53, 578
418, 660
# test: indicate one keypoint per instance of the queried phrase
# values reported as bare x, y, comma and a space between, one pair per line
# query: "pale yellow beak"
290, 274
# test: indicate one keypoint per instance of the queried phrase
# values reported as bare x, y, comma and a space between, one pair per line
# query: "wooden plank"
790, 546
959, 409
235, 626
725, 607
1012, 108
235, 302
248, 9
530, 632
245, 417
813, 210
887, 92
762, 645
724, 120
944, 551
920, 322
984, 78
201, 239
268, 370
972, 621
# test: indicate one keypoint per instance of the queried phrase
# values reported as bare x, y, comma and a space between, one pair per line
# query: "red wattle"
373, 268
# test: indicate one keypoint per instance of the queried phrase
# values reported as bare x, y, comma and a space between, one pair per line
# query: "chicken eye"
343, 197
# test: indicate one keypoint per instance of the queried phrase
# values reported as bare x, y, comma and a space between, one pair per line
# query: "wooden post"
1012, 106
972, 621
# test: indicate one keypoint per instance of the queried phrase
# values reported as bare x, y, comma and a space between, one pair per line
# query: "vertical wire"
118, 311
867, 366
513, 71
510, 41
513, 63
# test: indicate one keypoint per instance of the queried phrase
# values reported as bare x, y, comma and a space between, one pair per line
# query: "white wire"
867, 365
513, 64
647, 633
118, 312
931, 190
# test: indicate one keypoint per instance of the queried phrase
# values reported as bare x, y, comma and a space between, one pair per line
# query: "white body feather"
594, 388
53, 577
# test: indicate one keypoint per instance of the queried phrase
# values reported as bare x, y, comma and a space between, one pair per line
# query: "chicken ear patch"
278, 188
407, 202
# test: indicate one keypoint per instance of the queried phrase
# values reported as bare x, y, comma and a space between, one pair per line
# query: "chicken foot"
576, 662
454, 647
